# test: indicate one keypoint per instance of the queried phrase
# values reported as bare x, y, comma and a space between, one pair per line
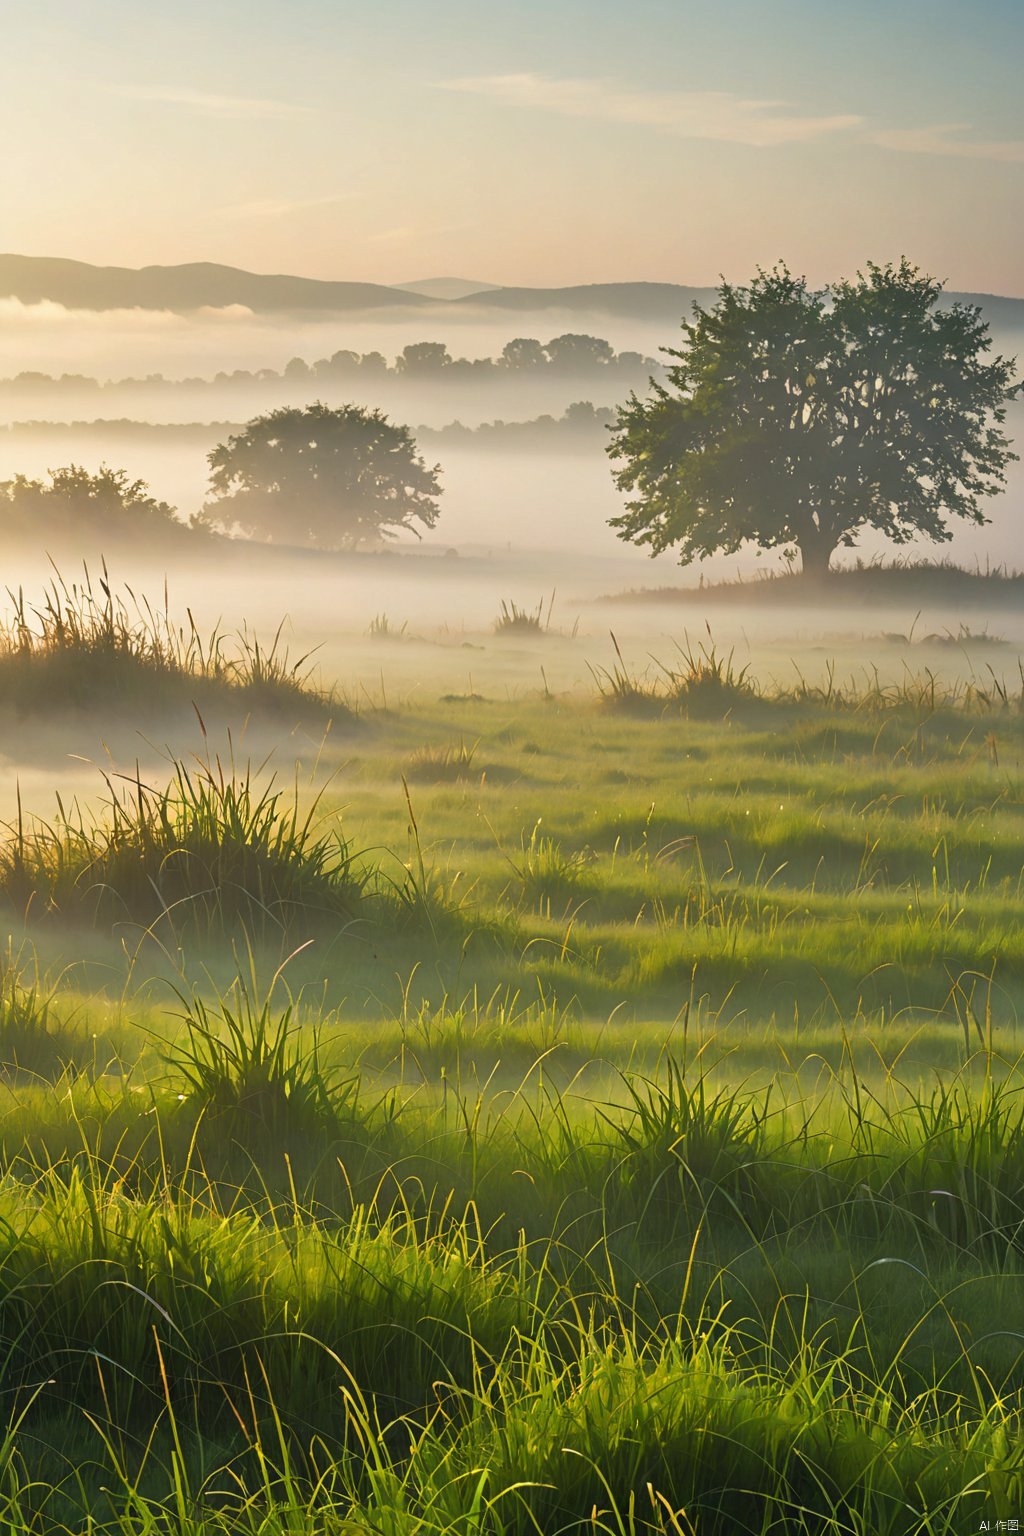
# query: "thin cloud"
726, 117
946, 139
718, 115
215, 104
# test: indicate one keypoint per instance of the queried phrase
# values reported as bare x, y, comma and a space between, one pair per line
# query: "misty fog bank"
502, 496
522, 497
113, 343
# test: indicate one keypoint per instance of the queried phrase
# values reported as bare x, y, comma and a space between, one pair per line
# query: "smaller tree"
581, 354
795, 419
340, 365
424, 358
74, 502
584, 416
331, 478
523, 353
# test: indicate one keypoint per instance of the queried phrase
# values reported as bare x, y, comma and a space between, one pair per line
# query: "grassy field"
589, 1112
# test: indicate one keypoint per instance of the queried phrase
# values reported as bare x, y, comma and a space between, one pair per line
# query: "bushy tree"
523, 353
795, 419
73, 502
573, 352
332, 478
424, 358
340, 365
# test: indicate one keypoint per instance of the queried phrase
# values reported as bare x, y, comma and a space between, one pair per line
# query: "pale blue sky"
570, 141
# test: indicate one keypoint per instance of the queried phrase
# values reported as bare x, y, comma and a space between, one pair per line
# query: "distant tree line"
566, 356
581, 422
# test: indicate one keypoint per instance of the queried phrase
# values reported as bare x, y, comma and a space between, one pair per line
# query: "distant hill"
446, 287
635, 301
671, 301
195, 285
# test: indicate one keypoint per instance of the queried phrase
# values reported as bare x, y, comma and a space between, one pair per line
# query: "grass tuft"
546, 872
207, 851
706, 682
513, 620
87, 647
254, 1072
443, 764
382, 628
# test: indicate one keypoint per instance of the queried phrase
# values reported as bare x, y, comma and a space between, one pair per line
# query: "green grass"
869, 582
87, 648
682, 1297
629, 1138
441, 764
209, 850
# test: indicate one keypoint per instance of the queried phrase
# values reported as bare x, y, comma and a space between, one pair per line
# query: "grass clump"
688, 1148
443, 764
253, 1072
629, 691
94, 648
36, 1038
382, 628
546, 872
706, 682
513, 620
210, 849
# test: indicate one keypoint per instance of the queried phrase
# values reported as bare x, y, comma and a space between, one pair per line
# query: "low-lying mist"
111, 344
496, 498
524, 520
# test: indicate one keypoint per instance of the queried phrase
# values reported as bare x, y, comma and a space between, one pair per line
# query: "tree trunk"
815, 555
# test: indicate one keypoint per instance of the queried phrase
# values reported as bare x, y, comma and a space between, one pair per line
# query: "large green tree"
794, 419
331, 478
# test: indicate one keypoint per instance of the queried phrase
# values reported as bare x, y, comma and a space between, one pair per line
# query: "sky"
535, 142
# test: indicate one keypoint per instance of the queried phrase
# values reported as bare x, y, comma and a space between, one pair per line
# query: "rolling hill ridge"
198, 285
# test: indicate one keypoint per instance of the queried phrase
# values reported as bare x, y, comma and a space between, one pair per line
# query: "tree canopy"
332, 478
73, 501
423, 357
573, 351
794, 419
